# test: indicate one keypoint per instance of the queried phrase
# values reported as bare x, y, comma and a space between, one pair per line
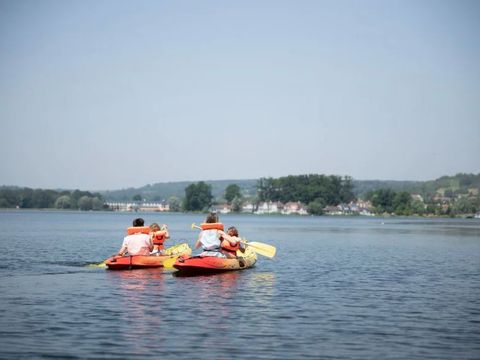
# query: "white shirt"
137, 244
209, 239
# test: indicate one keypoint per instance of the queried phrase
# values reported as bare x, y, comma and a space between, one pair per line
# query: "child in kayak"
159, 235
230, 242
209, 237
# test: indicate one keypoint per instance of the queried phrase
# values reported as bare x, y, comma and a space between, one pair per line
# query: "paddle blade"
263, 249
168, 263
101, 265
178, 249
175, 252
194, 226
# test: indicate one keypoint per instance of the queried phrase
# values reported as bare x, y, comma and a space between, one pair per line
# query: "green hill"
163, 191
361, 187
444, 186
457, 184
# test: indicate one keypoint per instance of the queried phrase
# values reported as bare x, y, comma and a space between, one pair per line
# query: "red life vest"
138, 229
212, 226
158, 238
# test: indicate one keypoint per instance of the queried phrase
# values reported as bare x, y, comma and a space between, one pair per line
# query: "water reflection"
221, 287
135, 289
261, 283
139, 297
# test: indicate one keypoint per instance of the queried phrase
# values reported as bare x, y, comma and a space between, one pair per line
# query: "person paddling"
138, 240
209, 237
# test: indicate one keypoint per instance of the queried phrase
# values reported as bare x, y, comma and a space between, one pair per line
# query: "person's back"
209, 237
138, 240
210, 240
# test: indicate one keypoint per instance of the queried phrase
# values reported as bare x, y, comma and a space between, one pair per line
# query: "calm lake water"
359, 288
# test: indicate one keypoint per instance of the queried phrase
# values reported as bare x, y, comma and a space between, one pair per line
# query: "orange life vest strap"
212, 226
138, 229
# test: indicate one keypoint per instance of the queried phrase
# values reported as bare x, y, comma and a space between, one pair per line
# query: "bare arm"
122, 249
231, 239
198, 243
150, 244
165, 228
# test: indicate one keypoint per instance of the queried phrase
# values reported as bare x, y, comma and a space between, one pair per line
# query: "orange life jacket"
226, 246
159, 238
212, 226
138, 229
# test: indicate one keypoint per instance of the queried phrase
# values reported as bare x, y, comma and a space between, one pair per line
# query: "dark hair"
138, 222
212, 218
233, 229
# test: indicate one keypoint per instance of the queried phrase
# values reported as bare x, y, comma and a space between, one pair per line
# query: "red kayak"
146, 261
209, 264
135, 262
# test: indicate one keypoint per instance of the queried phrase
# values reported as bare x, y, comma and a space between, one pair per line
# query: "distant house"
269, 207
353, 208
332, 210
417, 197
248, 208
473, 191
145, 206
222, 208
294, 208
153, 207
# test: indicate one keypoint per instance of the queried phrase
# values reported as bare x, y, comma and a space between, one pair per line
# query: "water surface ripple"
339, 288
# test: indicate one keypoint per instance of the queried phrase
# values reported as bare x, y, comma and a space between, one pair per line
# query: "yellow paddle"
175, 251
258, 247
168, 263
102, 265
261, 248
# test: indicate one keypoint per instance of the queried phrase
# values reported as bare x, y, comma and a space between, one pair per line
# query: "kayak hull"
146, 261
210, 265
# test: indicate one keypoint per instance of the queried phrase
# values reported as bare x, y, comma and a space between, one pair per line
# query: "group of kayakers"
149, 240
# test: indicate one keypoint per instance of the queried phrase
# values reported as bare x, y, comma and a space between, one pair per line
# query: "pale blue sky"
111, 94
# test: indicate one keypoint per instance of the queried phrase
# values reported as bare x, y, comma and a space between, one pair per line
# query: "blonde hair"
154, 227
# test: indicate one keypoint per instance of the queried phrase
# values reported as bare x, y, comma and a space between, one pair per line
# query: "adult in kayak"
159, 235
138, 241
209, 237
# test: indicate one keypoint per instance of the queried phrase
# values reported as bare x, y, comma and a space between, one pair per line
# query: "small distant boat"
147, 261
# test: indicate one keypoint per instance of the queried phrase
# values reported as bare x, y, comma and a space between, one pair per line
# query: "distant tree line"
198, 197
392, 202
27, 198
317, 191
401, 203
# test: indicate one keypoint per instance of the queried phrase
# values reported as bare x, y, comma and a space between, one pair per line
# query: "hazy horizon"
118, 94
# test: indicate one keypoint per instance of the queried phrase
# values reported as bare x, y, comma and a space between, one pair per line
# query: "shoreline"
415, 216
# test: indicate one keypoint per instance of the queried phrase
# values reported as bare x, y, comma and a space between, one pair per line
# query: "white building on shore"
144, 206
